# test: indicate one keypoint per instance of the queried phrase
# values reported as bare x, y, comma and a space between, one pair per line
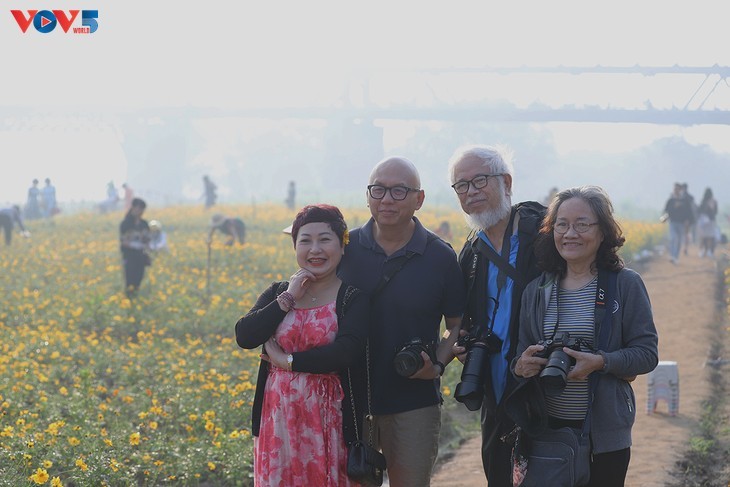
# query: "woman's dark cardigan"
259, 324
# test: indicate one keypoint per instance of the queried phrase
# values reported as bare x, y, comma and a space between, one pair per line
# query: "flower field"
96, 389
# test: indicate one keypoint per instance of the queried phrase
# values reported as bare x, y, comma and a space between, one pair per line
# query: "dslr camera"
408, 358
470, 391
554, 376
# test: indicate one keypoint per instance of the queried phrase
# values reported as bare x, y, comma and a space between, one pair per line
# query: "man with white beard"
497, 261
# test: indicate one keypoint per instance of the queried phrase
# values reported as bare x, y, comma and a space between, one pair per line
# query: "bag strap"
396, 265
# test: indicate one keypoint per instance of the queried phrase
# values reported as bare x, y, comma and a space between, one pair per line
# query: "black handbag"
365, 464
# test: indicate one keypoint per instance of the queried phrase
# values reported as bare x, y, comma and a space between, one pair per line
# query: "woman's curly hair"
550, 260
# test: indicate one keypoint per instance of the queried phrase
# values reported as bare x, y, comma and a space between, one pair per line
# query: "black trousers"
496, 454
134, 264
609, 469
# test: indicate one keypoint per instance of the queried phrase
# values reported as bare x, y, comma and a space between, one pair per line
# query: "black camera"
408, 359
554, 376
470, 391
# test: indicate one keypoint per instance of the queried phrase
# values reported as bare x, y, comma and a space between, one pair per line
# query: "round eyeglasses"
398, 193
478, 182
580, 227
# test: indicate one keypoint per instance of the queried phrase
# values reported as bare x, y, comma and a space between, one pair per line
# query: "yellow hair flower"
346, 237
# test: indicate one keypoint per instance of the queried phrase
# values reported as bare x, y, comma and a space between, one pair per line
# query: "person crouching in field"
233, 227
313, 328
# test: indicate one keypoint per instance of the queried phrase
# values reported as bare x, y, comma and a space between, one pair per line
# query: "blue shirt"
499, 362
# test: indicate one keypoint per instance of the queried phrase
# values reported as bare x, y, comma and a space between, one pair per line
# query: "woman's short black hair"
320, 213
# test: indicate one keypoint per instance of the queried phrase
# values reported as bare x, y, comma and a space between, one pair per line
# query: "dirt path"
682, 299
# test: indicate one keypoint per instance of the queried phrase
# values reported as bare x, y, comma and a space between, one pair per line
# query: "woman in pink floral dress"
302, 414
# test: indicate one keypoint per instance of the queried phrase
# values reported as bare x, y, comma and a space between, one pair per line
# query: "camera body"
408, 360
554, 376
470, 391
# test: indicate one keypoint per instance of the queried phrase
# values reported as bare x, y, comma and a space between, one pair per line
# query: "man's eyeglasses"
478, 182
398, 193
580, 227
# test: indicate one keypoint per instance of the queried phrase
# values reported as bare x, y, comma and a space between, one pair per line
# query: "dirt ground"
683, 301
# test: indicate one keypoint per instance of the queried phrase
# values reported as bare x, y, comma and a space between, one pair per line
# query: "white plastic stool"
663, 383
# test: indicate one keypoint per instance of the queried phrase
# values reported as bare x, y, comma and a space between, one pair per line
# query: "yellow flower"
73, 441
80, 463
153, 425
346, 237
47, 464
56, 482
211, 466
134, 439
40, 476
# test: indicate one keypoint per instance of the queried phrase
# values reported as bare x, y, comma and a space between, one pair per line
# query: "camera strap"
500, 260
605, 290
502, 263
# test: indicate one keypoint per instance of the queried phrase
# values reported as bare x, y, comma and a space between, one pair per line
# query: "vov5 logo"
45, 21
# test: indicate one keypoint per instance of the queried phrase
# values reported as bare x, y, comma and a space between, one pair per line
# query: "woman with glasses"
577, 249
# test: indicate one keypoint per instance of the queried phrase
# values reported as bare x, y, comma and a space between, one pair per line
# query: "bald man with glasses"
497, 261
422, 285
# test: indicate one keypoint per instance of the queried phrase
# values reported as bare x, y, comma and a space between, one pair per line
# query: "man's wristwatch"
290, 361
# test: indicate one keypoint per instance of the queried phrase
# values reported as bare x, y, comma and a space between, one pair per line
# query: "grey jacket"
631, 350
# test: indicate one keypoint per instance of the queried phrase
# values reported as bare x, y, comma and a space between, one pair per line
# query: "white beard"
489, 218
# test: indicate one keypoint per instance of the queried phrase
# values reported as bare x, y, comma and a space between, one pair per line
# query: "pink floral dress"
300, 442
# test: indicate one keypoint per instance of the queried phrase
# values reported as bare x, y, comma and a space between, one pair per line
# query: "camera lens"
408, 361
554, 376
470, 391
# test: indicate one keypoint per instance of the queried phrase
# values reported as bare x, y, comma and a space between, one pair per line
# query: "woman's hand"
585, 363
275, 354
528, 365
299, 282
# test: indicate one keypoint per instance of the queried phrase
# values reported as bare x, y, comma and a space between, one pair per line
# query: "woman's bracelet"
286, 300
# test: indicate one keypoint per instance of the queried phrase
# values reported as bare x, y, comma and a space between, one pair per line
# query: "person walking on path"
679, 212
706, 224
48, 195
32, 206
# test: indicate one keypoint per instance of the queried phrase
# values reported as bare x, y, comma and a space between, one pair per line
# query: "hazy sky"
161, 53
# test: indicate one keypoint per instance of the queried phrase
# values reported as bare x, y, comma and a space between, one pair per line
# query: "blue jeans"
676, 237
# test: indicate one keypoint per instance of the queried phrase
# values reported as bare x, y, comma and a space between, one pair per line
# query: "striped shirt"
577, 315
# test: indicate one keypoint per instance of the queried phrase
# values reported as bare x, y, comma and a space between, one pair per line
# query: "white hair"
498, 159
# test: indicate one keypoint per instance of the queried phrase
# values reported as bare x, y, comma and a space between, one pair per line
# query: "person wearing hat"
233, 227
158, 238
